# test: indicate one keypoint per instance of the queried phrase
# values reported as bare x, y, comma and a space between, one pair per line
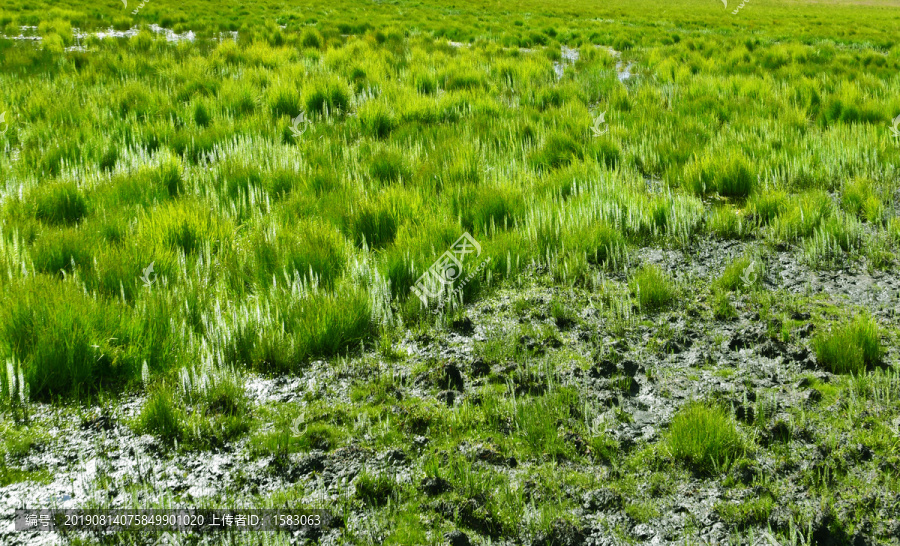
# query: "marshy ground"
681, 315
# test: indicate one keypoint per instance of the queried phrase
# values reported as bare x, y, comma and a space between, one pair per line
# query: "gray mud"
94, 458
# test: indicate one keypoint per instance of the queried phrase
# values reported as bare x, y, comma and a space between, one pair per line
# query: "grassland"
680, 324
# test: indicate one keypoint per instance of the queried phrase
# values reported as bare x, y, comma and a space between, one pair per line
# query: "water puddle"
623, 69
28, 34
569, 57
624, 74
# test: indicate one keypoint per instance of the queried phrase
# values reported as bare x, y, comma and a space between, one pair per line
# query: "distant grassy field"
179, 215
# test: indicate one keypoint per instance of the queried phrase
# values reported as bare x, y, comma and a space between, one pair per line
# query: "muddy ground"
92, 457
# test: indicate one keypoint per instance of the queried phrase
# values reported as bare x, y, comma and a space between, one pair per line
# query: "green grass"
705, 438
801, 216
860, 198
318, 325
764, 207
161, 417
746, 513
10, 476
653, 289
850, 347
311, 250
767, 131
68, 343
726, 223
59, 204
742, 274
728, 174
375, 489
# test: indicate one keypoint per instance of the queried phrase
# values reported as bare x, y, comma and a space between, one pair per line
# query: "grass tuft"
850, 347
161, 416
376, 119
375, 489
71, 343
59, 204
705, 438
743, 274
860, 198
654, 289
729, 175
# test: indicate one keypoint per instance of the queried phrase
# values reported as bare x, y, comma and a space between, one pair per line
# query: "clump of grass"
168, 175
860, 198
459, 78
161, 416
326, 97
835, 235
375, 489
562, 314
237, 178
17, 442
62, 250
559, 150
850, 347
59, 204
765, 206
108, 157
725, 223
313, 250
721, 305
185, 227
479, 208
284, 100
642, 512
704, 437
893, 230
744, 273
220, 389
878, 251
71, 343
601, 244
311, 38
15, 392
58, 27
117, 271
201, 114
376, 119
288, 332
10, 475
319, 436
729, 175
754, 511
387, 166
425, 83
536, 422
801, 216
654, 289
374, 224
